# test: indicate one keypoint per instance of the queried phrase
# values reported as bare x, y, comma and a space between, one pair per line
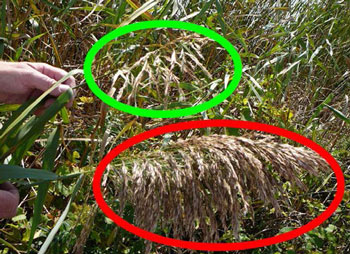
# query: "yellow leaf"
86, 99
135, 5
35, 9
76, 155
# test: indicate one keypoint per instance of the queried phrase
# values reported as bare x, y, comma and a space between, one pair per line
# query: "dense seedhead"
203, 185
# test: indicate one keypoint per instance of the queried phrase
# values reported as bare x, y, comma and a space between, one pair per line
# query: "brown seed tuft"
197, 186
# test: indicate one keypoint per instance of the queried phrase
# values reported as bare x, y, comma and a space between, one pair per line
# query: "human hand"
23, 80
9, 199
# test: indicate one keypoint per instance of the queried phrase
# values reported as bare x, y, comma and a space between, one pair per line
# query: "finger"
36, 93
39, 111
63, 89
9, 200
53, 72
70, 103
49, 102
15, 99
37, 80
8, 187
46, 105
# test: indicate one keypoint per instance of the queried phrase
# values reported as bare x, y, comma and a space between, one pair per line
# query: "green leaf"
189, 86
69, 5
319, 108
316, 240
64, 177
12, 119
203, 10
9, 245
48, 164
15, 137
220, 16
27, 44
9, 107
19, 217
286, 229
247, 114
53, 232
51, 5
338, 114
64, 115
25, 142
330, 228
51, 150
8, 172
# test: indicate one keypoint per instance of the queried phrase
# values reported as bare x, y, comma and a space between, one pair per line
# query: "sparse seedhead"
176, 69
198, 186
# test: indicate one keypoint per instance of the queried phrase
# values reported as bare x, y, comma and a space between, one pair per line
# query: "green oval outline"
162, 24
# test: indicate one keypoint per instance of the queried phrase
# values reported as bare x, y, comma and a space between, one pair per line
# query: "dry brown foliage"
172, 73
199, 186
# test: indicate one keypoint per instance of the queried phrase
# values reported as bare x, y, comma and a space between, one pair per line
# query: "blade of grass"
53, 232
291, 66
69, 176
28, 140
9, 107
48, 164
64, 115
164, 9
23, 144
220, 16
27, 45
9, 245
319, 108
338, 114
12, 140
203, 10
135, 5
314, 54
8, 172
51, 5
13, 118
121, 11
69, 5
43, 23
143, 9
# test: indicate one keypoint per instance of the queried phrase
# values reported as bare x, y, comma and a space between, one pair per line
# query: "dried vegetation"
172, 72
203, 185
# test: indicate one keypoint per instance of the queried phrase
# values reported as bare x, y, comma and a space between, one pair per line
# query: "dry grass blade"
142, 10
200, 186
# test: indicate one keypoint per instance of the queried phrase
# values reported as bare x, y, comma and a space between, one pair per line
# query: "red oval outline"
217, 246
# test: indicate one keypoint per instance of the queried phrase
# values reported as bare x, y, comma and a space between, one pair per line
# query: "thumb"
9, 199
